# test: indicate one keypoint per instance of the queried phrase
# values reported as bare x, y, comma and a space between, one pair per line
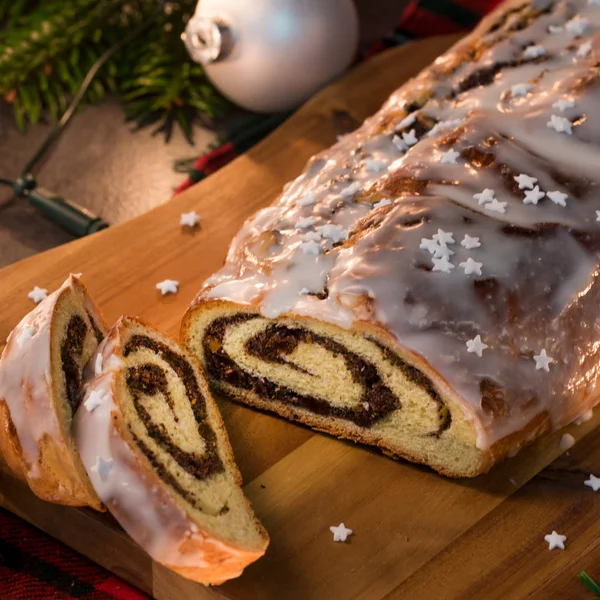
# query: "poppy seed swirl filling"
146, 382
71, 351
274, 345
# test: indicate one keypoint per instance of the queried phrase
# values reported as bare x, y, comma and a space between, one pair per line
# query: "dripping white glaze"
549, 274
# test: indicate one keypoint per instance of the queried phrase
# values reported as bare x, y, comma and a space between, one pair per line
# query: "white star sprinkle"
525, 181
189, 219
577, 26
567, 441
315, 236
340, 533
521, 89
442, 264
102, 467
304, 291
584, 49
496, 206
598, 215
26, 334
407, 121
444, 126
350, 190
542, 361
469, 242
304, 222
410, 138
374, 166
443, 237
430, 245
307, 200
442, 250
533, 196
38, 294
470, 266
558, 197
593, 482
98, 364
168, 286
400, 145
563, 104
486, 196
555, 540
556, 28
560, 124
311, 247
384, 202
333, 232
95, 399
449, 157
476, 346
534, 52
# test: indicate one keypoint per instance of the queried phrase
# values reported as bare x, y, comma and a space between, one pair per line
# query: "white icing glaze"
25, 379
539, 252
133, 493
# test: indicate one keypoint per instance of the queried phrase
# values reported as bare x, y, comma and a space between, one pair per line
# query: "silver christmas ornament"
272, 55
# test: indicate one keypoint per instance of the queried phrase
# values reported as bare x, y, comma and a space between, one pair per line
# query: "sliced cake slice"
40, 383
155, 448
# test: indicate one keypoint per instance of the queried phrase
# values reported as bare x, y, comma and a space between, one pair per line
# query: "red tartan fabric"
34, 566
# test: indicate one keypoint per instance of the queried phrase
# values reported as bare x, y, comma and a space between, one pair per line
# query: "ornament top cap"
206, 39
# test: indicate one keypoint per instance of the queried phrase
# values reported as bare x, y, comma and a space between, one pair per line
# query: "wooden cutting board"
417, 535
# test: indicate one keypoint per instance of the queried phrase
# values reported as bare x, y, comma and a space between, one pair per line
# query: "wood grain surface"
417, 535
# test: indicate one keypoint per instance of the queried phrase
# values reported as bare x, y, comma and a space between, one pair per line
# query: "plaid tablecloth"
34, 565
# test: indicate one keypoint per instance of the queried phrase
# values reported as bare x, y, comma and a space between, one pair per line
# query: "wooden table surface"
417, 535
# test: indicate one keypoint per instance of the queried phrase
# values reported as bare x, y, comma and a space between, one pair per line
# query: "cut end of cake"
352, 384
172, 482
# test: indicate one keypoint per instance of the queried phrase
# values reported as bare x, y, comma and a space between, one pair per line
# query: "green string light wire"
65, 214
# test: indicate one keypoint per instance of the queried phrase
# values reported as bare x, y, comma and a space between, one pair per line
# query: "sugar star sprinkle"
103, 467
449, 157
384, 202
593, 482
476, 346
430, 245
410, 138
584, 49
521, 89
340, 533
304, 291
563, 104
542, 361
471, 267
168, 286
533, 196
469, 242
38, 294
598, 215
560, 124
532, 52
350, 190
442, 264
555, 540
333, 232
374, 166
558, 197
555, 29
315, 236
486, 196
311, 247
407, 121
577, 26
496, 206
525, 181
95, 399
443, 237
567, 441
399, 143
444, 126
304, 222
306, 200
442, 250
190, 219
